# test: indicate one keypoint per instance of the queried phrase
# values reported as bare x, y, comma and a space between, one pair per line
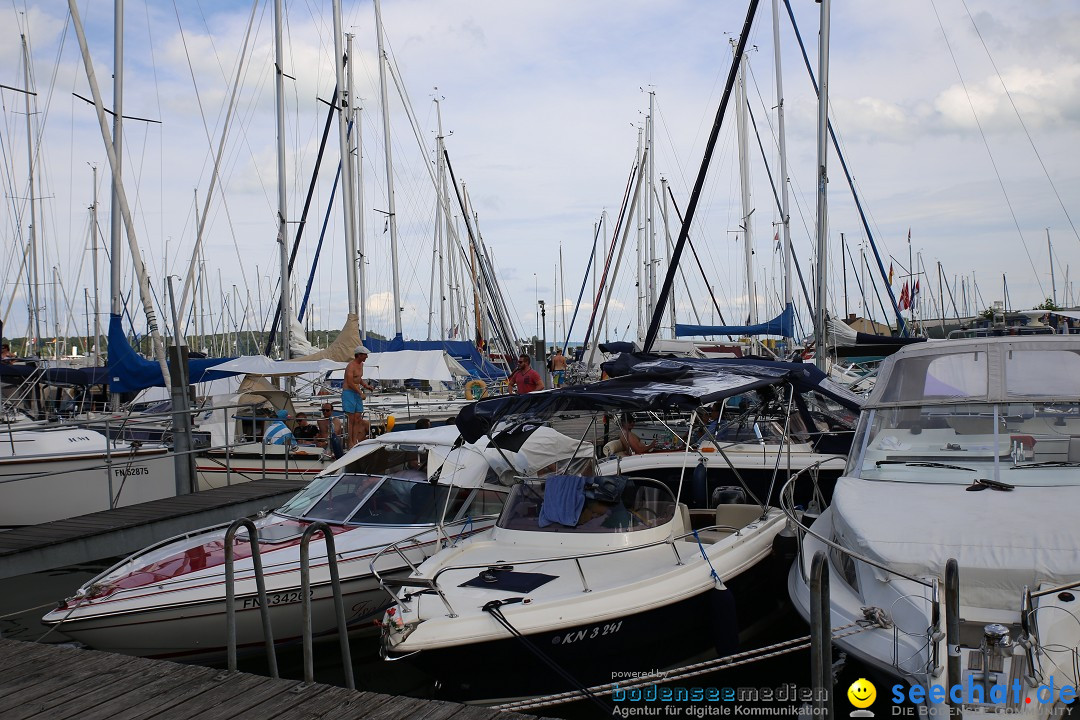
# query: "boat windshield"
587, 505
362, 499
1012, 443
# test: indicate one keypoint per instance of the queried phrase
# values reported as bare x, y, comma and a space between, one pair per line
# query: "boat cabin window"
952, 376
1018, 443
403, 461
356, 498
1027, 371
578, 504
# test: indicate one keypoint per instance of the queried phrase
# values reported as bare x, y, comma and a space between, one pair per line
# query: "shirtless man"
352, 397
558, 367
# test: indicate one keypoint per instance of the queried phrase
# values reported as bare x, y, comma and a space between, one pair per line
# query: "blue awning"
783, 325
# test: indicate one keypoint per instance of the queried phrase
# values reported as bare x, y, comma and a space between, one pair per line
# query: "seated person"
413, 470
277, 432
633, 444
304, 432
711, 419
330, 432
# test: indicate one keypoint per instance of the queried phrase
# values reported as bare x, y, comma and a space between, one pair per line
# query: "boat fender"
724, 621
698, 485
390, 420
475, 390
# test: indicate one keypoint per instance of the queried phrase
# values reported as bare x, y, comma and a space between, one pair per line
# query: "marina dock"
124, 530
57, 682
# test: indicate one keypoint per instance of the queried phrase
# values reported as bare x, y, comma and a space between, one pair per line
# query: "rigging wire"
989, 152
1019, 117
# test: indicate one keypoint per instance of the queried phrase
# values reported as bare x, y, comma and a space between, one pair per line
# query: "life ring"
475, 390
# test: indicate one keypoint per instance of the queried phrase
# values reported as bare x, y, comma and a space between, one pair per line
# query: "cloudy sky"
959, 119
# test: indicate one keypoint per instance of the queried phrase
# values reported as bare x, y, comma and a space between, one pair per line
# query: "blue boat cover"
783, 325
128, 372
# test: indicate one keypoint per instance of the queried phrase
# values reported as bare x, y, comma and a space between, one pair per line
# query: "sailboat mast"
823, 179
639, 277
391, 214
650, 192
359, 261
744, 180
35, 283
1053, 280
348, 200
94, 259
442, 219
283, 248
115, 216
785, 220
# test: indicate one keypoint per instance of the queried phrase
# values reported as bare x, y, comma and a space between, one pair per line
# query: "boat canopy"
463, 351
783, 324
1044, 368
641, 382
54, 376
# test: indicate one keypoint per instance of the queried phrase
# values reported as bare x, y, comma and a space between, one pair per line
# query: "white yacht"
953, 533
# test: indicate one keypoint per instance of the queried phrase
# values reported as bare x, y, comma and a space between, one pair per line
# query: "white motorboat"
169, 599
625, 587
953, 535
585, 578
48, 475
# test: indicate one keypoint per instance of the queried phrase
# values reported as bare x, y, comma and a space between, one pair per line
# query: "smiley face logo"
862, 693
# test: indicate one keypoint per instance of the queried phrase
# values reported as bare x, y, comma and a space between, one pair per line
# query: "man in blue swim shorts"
352, 397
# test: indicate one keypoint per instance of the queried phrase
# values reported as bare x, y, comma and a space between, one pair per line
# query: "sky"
959, 121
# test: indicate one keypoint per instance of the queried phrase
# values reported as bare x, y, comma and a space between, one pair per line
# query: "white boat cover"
262, 365
1001, 540
431, 365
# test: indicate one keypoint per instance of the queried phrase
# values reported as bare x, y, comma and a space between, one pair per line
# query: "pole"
843, 266
1053, 281
744, 181
348, 198
115, 216
785, 219
390, 213
822, 196
182, 457
35, 296
283, 199
650, 216
94, 258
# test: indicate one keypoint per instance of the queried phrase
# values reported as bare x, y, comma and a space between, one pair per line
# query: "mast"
348, 199
35, 297
823, 179
391, 215
559, 299
442, 219
283, 248
639, 276
114, 164
115, 216
359, 261
1053, 280
94, 259
650, 218
785, 220
667, 252
744, 180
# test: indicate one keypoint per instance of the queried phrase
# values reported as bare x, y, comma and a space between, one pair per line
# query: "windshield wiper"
1047, 463
919, 463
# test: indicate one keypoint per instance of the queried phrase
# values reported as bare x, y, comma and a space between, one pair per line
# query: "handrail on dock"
230, 594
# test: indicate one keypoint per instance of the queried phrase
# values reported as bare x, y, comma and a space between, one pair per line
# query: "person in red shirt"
524, 379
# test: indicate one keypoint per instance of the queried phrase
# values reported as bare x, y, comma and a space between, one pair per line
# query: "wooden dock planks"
53, 682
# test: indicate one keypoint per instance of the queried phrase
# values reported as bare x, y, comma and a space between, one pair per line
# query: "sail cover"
641, 382
128, 372
783, 325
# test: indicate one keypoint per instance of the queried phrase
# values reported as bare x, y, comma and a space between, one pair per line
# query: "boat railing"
432, 583
795, 518
230, 594
339, 605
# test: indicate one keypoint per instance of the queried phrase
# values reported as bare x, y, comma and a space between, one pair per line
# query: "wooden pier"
54, 682
124, 530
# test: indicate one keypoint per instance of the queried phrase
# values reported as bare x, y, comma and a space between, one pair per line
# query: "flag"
776, 240
915, 292
909, 236
905, 298
890, 273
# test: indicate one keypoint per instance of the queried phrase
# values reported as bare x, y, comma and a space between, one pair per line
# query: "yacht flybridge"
585, 576
953, 530
169, 599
